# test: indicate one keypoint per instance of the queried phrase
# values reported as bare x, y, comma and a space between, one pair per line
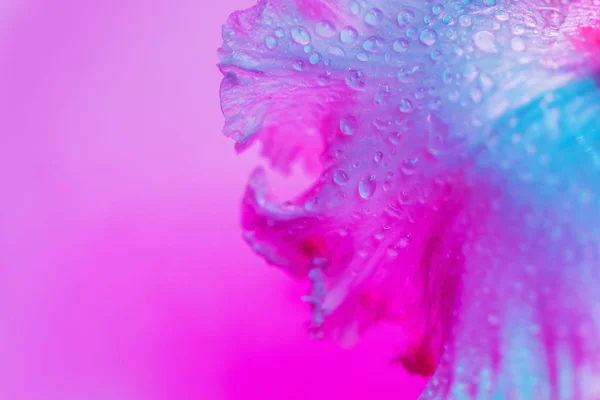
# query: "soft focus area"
123, 274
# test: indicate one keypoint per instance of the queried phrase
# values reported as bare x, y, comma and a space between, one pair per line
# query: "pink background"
122, 270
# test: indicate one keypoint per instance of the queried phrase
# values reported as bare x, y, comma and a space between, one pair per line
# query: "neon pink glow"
123, 273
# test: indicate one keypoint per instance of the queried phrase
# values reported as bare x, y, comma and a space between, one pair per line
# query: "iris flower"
458, 199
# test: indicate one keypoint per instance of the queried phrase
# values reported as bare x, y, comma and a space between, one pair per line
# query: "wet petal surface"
457, 144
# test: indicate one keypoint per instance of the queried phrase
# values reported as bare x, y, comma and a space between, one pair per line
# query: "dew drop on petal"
373, 17
340, 177
406, 17
406, 106
366, 187
428, 37
300, 35
348, 125
400, 45
464, 20
271, 42
325, 29
348, 35
485, 41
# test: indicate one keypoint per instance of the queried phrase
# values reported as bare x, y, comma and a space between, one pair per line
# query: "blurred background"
123, 274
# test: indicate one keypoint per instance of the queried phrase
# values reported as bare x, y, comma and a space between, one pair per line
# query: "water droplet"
448, 19
354, 8
400, 45
501, 15
310, 204
348, 35
373, 44
300, 35
314, 58
406, 106
373, 17
378, 157
271, 42
485, 41
410, 166
437, 9
362, 57
348, 125
336, 51
435, 55
379, 235
464, 20
517, 29
489, 3
406, 17
279, 32
340, 178
366, 187
298, 65
428, 37
356, 79
325, 29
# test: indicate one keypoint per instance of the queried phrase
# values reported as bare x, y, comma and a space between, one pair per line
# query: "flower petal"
459, 174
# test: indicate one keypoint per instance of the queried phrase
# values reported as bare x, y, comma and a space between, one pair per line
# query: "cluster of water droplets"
443, 57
